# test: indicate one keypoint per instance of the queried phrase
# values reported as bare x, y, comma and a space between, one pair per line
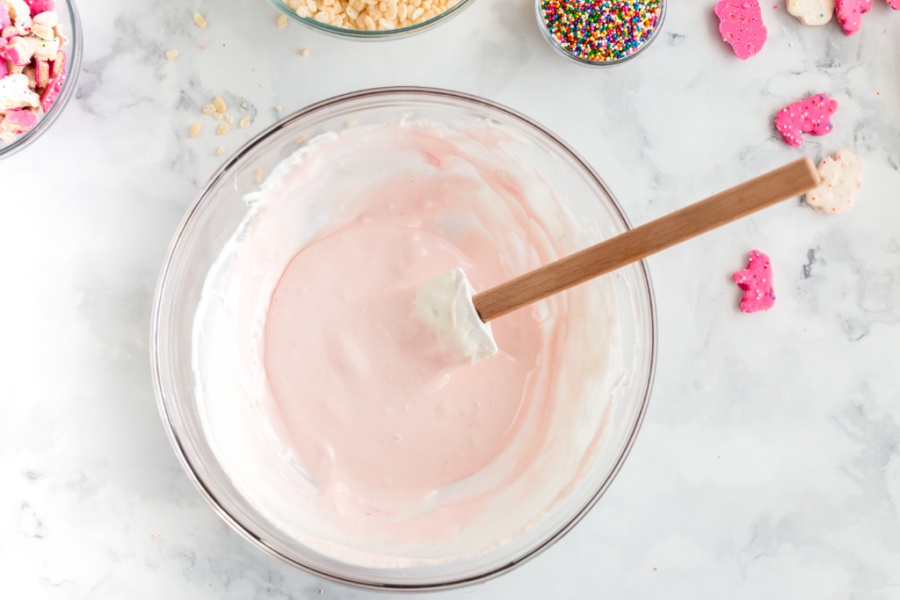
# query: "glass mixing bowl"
383, 34
213, 219
70, 24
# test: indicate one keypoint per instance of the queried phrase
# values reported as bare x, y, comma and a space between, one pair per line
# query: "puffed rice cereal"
370, 15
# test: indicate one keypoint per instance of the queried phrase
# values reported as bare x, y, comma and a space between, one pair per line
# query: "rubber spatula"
461, 318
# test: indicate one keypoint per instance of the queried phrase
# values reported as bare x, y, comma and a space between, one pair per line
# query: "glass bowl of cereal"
306, 435
39, 63
367, 20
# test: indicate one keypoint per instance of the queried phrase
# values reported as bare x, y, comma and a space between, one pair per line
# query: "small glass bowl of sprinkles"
601, 33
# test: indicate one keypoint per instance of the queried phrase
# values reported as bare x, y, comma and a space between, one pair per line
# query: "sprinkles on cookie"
601, 30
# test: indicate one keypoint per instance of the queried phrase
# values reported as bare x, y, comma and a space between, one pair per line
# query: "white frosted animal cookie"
811, 12
841, 180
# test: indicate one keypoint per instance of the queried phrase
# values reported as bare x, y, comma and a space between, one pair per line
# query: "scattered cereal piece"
209, 109
244, 123
220, 150
278, 108
229, 119
811, 12
841, 179
756, 281
244, 105
350, 123
301, 139
812, 116
282, 21
218, 116
220, 105
850, 12
741, 25
258, 175
172, 54
199, 20
195, 130
305, 52
222, 129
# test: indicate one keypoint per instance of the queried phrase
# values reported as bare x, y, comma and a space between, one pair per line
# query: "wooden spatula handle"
723, 208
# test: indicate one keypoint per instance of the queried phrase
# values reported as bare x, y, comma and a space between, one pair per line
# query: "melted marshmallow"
324, 401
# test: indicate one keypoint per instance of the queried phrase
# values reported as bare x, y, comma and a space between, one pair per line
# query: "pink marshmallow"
850, 12
895, 4
5, 21
740, 24
39, 6
20, 121
812, 116
17, 51
3, 70
756, 281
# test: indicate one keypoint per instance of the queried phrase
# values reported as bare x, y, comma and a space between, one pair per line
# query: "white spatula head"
444, 304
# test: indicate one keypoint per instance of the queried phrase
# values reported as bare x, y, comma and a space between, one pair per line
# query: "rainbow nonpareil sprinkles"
601, 30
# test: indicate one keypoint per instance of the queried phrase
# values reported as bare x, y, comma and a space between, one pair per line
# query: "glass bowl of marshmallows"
303, 435
368, 20
40, 57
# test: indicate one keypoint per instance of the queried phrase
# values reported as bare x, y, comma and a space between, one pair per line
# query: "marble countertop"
769, 462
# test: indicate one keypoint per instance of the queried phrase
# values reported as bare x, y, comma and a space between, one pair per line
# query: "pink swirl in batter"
334, 418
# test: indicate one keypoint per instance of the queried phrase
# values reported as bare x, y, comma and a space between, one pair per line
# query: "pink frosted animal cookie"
850, 12
740, 23
812, 116
756, 281
841, 180
895, 4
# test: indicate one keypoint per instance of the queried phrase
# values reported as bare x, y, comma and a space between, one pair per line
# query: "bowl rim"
161, 292
73, 70
378, 34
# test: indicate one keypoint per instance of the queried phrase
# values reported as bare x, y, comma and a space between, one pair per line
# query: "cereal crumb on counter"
277, 108
301, 139
199, 21
209, 109
222, 129
305, 52
220, 105
229, 119
282, 21
195, 130
172, 54
220, 151
244, 123
258, 175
